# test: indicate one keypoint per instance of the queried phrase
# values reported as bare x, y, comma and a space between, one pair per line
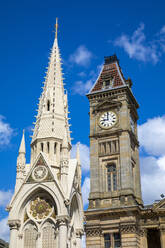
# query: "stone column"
62, 223
14, 227
39, 240
143, 238
79, 233
162, 236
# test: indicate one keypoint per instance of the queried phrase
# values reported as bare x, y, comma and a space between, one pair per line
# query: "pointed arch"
76, 211
37, 188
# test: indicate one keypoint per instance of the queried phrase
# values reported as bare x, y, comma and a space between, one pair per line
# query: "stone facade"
116, 216
46, 209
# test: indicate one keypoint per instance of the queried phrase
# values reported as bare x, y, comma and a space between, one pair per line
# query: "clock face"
108, 119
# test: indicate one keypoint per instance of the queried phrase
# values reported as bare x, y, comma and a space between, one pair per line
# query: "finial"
22, 145
56, 27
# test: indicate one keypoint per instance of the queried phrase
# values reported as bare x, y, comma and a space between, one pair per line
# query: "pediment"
40, 171
160, 206
107, 105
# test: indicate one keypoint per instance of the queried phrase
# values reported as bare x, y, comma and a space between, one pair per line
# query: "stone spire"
78, 153
21, 162
22, 145
52, 117
79, 164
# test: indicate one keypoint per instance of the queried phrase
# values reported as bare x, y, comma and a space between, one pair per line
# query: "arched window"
30, 236
48, 235
48, 147
111, 177
42, 147
48, 105
55, 147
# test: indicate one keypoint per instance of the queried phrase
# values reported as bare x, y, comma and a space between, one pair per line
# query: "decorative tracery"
30, 236
40, 222
48, 235
40, 208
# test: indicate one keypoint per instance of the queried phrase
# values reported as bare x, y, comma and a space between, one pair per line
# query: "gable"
107, 105
160, 206
40, 172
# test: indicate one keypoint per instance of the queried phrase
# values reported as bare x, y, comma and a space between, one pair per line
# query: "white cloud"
152, 140
162, 31
161, 38
4, 230
138, 48
82, 56
82, 74
5, 197
82, 88
152, 136
84, 156
152, 178
5, 132
86, 190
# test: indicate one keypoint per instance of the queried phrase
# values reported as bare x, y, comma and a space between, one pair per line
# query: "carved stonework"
76, 183
162, 229
14, 224
79, 233
95, 232
143, 232
26, 217
40, 173
128, 229
40, 208
62, 220
67, 202
64, 163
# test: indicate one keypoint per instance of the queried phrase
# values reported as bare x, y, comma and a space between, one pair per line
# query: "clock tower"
114, 159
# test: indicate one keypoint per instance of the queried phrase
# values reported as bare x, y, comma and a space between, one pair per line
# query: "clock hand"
107, 116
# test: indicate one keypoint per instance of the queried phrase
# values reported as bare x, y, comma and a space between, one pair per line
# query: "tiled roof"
111, 73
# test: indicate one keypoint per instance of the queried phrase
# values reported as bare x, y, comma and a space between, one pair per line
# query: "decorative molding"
62, 220
20, 236
79, 233
162, 229
14, 224
128, 229
143, 232
67, 202
94, 232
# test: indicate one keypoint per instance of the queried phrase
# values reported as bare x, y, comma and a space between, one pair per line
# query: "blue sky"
88, 31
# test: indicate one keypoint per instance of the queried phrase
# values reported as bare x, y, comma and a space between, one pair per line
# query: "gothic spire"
52, 116
22, 145
78, 153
